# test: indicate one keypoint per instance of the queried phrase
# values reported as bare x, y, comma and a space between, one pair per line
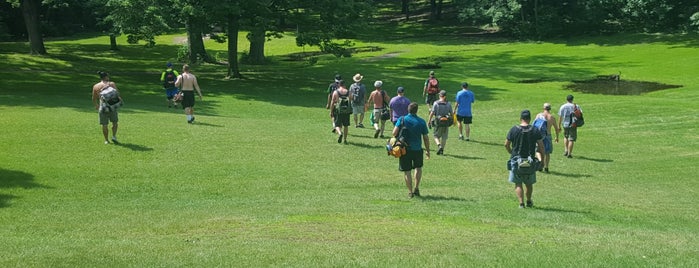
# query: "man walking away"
544, 121
331, 89
342, 109
441, 119
570, 132
464, 116
379, 99
399, 105
358, 91
522, 143
168, 78
415, 133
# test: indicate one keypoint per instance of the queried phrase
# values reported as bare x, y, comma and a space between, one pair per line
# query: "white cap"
378, 83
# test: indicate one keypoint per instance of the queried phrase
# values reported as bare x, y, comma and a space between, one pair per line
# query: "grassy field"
259, 180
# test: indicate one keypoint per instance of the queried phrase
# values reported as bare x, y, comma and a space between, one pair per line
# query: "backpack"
542, 124
576, 118
524, 166
432, 86
356, 93
170, 79
109, 95
396, 146
343, 104
444, 118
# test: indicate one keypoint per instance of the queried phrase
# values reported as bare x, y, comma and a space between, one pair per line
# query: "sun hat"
378, 83
547, 106
357, 77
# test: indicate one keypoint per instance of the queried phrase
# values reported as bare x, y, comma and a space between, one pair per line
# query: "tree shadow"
134, 147
13, 178
5, 200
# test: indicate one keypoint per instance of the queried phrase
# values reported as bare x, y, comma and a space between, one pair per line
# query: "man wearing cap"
342, 120
399, 105
430, 90
550, 120
168, 78
379, 99
570, 133
441, 108
464, 99
358, 91
523, 140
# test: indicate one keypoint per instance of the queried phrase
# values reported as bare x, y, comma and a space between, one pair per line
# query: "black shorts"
187, 99
411, 160
464, 119
431, 98
342, 120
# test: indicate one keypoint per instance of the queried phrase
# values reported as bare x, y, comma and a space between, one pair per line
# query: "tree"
30, 13
138, 19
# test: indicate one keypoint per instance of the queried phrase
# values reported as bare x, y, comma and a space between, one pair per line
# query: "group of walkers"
179, 88
531, 141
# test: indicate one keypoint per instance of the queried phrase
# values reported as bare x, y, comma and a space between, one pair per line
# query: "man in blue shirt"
415, 133
464, 99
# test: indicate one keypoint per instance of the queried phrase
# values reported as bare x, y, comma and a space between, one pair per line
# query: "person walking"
544, 121
522, 142
441, 119
342, 108
358, 91
331, 89
415, 134
398, 105
570, 132
379, 99
430, 90
188, 82
464, 116
168, 78
104, 92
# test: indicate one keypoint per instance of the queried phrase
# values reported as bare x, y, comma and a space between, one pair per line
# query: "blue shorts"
170, 92
548, 144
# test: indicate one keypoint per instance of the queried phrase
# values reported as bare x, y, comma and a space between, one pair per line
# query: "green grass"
260, 181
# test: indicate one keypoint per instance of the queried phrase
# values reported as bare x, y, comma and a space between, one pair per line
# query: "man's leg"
408, 182
530, 189
418, 177
105, 132
115, 127
518, 192
345, 133
468, 131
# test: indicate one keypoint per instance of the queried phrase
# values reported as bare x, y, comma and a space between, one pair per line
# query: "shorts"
431, 98
357, 109
187, 99
411, 160
570, 133
377, 115
528, 180
548, 144
464, 119
106, 117
441, 132
170, 92
342, 120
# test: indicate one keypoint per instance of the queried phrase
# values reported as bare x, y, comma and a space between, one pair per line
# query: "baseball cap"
169, 64
464, 84
378, 83
443, 93
547, 106
570, 97
401, 90
525, 115
338, 77
431, 72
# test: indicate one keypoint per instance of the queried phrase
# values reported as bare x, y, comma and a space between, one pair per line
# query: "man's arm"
540, 146
95, 97
508, 146
426, 141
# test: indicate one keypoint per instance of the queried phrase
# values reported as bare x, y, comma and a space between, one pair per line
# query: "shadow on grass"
440, 198
134, 147
15, 179
464, 157
5, 200
364, 145
487, 143
570, 175
553, 209
594, 159
199, 123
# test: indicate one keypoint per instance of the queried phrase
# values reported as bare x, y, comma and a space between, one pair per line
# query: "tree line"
321, 22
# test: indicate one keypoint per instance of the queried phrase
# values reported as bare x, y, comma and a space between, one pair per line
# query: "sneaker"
570, 156
410, 195
376, 134
521, 205
192, 119
360, 125
345, 142
381, 136
339, 139
546, 170
114, 140
565, 154
461, 137
468, 139
106, 142
333, 131
440, 151
529, 203
416, 192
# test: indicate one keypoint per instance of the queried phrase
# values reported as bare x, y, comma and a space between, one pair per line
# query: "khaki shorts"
106, 117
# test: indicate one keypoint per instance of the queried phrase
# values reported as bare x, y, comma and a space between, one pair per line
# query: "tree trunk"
196, 41
433, 9
233, 29
257, 46
113, 42
30, 12
405, 9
